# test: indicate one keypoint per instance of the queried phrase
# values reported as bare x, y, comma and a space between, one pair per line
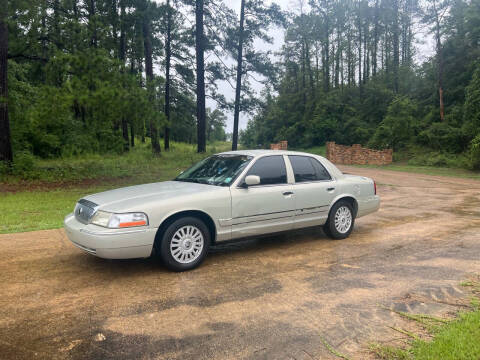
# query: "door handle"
286, 193
330, 189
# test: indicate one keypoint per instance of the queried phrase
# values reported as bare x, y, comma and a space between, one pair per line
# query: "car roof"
261, 152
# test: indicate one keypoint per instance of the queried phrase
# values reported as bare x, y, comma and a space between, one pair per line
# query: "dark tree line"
113, 70
94, 75
349, 72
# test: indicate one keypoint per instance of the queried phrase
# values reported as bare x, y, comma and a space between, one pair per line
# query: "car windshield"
220, 170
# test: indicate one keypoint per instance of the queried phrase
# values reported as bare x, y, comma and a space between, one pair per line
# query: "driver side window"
270, 169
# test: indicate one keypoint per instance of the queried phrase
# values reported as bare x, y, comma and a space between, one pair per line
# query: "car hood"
127, 197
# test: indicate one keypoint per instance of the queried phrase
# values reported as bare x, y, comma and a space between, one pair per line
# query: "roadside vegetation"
38, 195
457, 339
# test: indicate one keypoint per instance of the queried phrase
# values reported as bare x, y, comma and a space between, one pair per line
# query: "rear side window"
306, 169
271, 170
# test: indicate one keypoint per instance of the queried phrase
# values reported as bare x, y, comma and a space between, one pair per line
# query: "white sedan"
226, 196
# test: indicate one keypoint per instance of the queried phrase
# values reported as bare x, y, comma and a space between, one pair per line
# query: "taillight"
374, 187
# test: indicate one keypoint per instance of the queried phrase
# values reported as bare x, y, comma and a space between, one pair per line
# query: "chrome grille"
84, 210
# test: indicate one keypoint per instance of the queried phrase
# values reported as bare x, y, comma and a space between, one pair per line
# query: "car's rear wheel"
185, 244
340, 221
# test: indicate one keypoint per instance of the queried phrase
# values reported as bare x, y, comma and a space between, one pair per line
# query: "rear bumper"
368, 205
110, 243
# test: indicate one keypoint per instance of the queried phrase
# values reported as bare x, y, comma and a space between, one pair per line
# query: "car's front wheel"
340, 221
184, 244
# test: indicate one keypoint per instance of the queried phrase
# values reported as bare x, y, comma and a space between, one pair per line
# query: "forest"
350, 73
98, 76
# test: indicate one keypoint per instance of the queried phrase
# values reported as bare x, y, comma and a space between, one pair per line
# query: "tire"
184, 244
342, 211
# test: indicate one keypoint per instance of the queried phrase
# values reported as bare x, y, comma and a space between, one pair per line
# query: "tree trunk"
327, 55
238, 86
92, 23
199, 49
132, 134
375, 41
114, 21
121, 57
439, 63
121, 45
302, 70
396, 60
337, 59
147, 43
6, 154
310, 72
56, 26
167, 76
359, 50
125, 134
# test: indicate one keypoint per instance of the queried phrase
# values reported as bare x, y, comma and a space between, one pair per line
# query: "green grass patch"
138, 162
457, 339
428, 170
388, 352
51, 188
38, 210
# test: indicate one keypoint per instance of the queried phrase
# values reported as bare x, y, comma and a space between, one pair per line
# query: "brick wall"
356, 154
282, 145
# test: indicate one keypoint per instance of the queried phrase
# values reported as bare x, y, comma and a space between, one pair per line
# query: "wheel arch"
350, 199
207, 219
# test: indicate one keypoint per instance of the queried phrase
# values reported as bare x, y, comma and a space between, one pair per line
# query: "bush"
441, 136
439, 159
24, 165
474, 153
396, 130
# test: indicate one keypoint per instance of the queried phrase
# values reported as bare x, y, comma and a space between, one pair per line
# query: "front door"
265, 208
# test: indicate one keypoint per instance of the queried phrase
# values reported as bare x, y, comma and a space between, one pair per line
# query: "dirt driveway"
276, 298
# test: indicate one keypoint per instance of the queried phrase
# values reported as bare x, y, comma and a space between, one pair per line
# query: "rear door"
265, 208
314, 190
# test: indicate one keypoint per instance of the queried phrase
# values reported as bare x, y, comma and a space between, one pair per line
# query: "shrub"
396, 129
474, 153
24, 165
441, 136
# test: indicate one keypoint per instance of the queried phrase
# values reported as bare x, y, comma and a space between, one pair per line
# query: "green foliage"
456, 340
444, 137
43, 208
398, 127
472, 105
338, 95
474, 153
23, 165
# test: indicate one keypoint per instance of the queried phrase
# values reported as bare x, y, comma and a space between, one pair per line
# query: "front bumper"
110, 243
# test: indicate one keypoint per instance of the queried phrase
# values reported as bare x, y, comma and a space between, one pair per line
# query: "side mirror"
251, 180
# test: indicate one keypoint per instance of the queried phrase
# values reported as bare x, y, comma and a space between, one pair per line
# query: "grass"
457, 339
427, 170
42, 199
139, 162
39, 193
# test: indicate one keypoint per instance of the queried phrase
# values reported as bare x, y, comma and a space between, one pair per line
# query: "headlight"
116, 221
101, 218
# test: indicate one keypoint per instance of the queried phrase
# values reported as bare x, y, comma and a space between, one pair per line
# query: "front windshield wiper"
197, 181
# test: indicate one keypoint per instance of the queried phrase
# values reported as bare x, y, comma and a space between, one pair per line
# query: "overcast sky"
424, 48
225, 88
